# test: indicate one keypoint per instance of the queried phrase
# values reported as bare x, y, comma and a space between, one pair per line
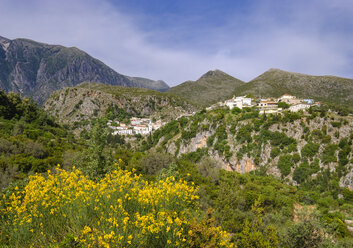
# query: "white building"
268, 106
137, 126
123, 131
239, 102
289, 99
286, 97
299, 106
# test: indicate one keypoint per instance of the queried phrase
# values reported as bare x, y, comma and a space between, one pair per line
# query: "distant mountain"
36, 69
212, 87
275, 82
158, 85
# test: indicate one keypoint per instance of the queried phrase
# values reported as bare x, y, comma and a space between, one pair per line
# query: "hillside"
30, 140
36, 69
275, 82
293, 146
212, 87
179, 185
87, 101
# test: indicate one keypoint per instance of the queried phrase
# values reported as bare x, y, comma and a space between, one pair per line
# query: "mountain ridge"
275, 82
215, 86
36, 69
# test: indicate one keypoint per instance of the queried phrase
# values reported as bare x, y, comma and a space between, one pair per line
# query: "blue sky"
182, 39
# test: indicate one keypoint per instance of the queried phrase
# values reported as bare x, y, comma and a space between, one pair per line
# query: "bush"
283, 105
153, 162
121, 210
275, 152
328, 155
285, 164
301, 173
309, 150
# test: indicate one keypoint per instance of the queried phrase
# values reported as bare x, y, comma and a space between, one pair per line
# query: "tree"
95, 158
283, 105
255, 234
153, 162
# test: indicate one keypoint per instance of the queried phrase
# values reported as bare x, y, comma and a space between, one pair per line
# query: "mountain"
78, 105
158, 85
36, 69
275, 82
212, 87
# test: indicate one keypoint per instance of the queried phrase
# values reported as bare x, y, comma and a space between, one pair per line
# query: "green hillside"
212, 87
275, 82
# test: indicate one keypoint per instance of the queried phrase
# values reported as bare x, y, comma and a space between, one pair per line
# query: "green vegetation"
30, 141
177, 198
212, 87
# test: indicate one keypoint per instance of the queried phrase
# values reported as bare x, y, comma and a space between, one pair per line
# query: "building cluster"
268, 105
141, 126
239, 102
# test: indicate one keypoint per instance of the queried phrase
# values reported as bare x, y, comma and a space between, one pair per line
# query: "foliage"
121, 209
153, 162
328, 155
256, 234
285, 164
30, 141
283, 105
306, 234
310, 149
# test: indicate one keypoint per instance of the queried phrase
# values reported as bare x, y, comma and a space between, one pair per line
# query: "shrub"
309, 150
285, 164
120, 210
275, 152
301, 173
328, 155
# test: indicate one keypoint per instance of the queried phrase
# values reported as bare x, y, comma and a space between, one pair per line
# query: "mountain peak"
4, 42
213, 73
274, 70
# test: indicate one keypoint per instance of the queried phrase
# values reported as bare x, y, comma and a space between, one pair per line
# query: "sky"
179, 40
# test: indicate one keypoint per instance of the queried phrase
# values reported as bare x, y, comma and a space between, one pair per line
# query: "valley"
109, 160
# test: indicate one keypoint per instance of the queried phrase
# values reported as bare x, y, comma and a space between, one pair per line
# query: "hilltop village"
268, 105
144, 126
141, 126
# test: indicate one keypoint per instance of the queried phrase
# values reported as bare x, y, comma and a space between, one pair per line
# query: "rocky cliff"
79, 105
286, 145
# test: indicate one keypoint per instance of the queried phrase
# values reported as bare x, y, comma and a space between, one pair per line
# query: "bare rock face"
37, 69
347, 181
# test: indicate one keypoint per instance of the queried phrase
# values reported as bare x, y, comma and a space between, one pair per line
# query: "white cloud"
244, 48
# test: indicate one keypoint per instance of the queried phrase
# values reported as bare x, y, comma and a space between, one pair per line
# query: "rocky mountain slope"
275, 82
210, 88
78, 105
299, 147
36, 69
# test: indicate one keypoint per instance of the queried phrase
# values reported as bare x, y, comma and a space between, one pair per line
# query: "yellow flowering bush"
66, 209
